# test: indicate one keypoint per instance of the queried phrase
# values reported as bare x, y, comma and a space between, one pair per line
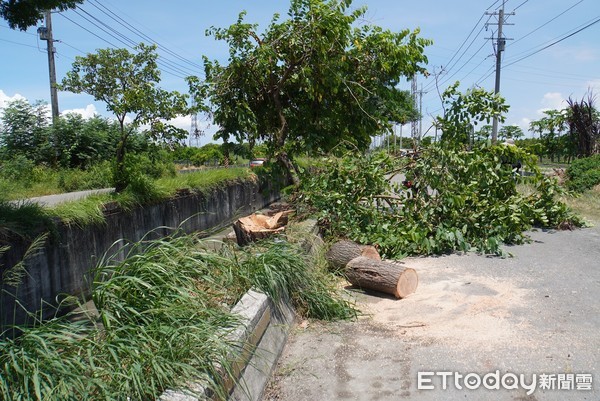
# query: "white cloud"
552, 101
4, 98
89, 111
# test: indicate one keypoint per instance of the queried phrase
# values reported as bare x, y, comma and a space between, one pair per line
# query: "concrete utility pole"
414, 128
421, 93
46, 34
500, 47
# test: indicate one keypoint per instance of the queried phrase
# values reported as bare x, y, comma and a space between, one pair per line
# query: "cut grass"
164, 315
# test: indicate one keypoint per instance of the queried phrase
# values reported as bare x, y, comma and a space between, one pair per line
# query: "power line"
127, 41
111, 14
18, 43
170, 70
519, 6
449, 64
547, 22
555, 42
87, 30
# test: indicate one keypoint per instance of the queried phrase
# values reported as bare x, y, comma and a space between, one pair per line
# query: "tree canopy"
128, 84
313, 80
22, 14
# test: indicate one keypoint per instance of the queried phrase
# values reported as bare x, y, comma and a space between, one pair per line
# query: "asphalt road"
535, 313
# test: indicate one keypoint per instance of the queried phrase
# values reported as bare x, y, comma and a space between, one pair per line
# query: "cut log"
343, 252
380, 275
255, 227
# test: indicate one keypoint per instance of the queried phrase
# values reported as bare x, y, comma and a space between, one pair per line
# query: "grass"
23, 217
587, 204
164, 315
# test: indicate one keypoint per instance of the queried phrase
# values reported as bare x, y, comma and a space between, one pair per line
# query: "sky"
545, 62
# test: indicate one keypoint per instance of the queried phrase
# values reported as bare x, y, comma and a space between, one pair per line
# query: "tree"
127, 83
81, 142
551, 128
311, 81
24, 131
22, 14
510, 132
584, 125
463, 111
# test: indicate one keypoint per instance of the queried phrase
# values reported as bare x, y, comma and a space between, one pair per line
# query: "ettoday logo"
508, 381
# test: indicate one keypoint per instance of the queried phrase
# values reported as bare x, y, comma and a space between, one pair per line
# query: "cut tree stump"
343, 252
256, 226
384, 276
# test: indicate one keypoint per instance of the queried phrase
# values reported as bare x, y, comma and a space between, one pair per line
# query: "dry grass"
587, 204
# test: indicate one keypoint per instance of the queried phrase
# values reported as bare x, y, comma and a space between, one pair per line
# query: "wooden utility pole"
47, 35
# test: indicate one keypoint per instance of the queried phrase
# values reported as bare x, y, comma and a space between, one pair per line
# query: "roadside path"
53, 200
535, 313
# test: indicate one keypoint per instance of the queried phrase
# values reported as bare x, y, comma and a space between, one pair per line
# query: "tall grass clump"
164, 315
282, 271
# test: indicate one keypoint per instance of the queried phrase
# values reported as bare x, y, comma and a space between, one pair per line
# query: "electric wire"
167, 69
546, 23
555, 42
127, 41
111, 14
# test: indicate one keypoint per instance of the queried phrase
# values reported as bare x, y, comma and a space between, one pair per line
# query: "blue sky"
530, 83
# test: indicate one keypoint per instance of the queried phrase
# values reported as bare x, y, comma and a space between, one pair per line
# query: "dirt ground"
535, 313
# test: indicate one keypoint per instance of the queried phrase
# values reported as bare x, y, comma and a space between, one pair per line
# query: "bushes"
584, 174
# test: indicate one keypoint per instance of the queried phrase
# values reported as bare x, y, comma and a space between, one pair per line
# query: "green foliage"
80, 143
458, 200
24, 131
462, 111
23, 14
584, 174
553, 134
210, 153
164, 316
95, 177
510, 132
312, 80
128, 84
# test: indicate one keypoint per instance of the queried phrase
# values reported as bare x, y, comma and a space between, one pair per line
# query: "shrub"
583, 174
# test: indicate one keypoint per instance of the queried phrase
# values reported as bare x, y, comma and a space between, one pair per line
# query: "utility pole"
500, 47
414, 128
421, 112
46, 34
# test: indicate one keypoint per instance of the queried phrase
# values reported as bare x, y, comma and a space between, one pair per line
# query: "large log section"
343, 252
389, 277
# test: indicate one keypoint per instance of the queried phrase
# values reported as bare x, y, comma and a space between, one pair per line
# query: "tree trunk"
343, 252
384, 276
287, 165
255, 227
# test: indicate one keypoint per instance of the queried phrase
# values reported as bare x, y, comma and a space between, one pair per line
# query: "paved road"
53, 200
537, 312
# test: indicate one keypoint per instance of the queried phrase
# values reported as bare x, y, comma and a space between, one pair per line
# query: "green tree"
128, 84
81, 142
24, 131
463, 111
25, 13
551, 128
510, 132
311, 81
